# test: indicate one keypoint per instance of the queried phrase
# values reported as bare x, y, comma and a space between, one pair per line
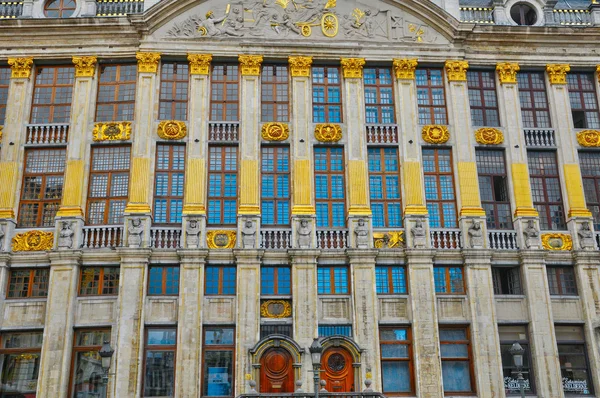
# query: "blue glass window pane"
214, 212
381, 280
160, 211
376, 187
283, 186
396, 377
283, 213
394, 215
214, 185
267, 280
399, 280
338, 215
268, 186
456, 280
439, 276
370, 75
340, 276
321, 159
175, 211
434, 215
450, 215
374, 156
323, 281
338, 330
162, 185
230, 185
456, 376
431, 188
321, 187
155, 280
337, 187
284, 280
337, 160
229, 212
172, 280
268, 212
322, 215
229, 276
378, 217
212, 280
392, 187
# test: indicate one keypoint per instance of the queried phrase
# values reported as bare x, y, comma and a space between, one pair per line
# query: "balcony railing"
47, 134
322, 394
382, 133
571, 17
275, 238
115, 8
540, 137
446, 238
477, 15
11, 9
165, 238
332, 239
223, 131
102, 236
503, 240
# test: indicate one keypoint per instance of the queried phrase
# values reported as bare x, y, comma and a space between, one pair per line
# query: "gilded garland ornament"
300, 66
172, 130
250, 64
21, 67
147, 62
85, 66
221, 239
275, 131
389, 240
489, 136
558, 73
112, 131
589, 138
456, 70
507, 72
199, 63
276, 309
405, 68
353, 67
435, 134
328, 132
557, 242
32, 241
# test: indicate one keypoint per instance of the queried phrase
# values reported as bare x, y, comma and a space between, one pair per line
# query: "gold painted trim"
415, 210
507, 72
390, 239
589, 138
300, 66
435, 134
112, 131
85, 66
556, 242
275, 131
328, 132
172, 130
353, 67
147, 62
33, 241
489, 136
456, 70
405, 68
221, 239
199, 63
250, 64
266, 313
558, 73
21, 67
1, 133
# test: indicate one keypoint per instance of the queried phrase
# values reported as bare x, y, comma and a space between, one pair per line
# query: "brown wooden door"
339, 373
276, 371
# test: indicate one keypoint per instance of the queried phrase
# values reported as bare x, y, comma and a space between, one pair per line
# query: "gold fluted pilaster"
138, 186
575, 193
522, 190
469, 190
413, 181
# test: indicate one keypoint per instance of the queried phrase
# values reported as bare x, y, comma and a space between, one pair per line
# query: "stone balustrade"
44, 134
503, 240
446, 238
165, 237
539, 137
332, 239
276, 238
114, 8
223, 131
382, 133
102, 236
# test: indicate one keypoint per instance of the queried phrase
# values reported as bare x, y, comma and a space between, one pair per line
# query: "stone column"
194, 197
426, 338
140, 176
72, 206
55, 363
544, 352
305, 304
189, 329
4, 270
130, 322
484, 324
471, 213
249, 202
247, 323
413, 197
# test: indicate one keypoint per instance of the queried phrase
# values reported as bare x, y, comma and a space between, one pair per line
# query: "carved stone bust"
192, 236
418, 234
65, 236
362, 234
475, 235
304, 232
135, 230
249, 234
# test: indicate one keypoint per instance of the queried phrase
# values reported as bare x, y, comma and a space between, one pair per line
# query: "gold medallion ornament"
250, 64
489, 136
435, 134
388, 240
353, 67
33, 241
589, 138
199, 63
172, 130
328, 132
558, 73
276, 309
507, 72
147, 62
557, 242
275, 131
85, 66
112, 131
405, 68
220, 239
456, 70
21, 67
329, 24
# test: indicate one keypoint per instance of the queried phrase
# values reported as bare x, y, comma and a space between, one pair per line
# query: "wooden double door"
338, 370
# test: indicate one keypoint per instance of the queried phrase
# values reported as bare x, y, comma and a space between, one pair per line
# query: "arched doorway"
276, 371
338, 369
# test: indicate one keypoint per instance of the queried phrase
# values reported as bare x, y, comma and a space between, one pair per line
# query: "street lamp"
517, 353
315, 353
106, 353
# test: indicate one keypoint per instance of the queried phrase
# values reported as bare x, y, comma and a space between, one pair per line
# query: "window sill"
450, 295
26, 299
510, 296
565, 297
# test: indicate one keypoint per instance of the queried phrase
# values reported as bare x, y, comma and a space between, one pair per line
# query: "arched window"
59, 8
523, 14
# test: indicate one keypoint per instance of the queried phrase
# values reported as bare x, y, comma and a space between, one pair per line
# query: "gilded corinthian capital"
21, 67
456, 70
353, 67
147, 62
250, 64
300, 66
199, 63
405, 68
558, 73
85, 66
507, 72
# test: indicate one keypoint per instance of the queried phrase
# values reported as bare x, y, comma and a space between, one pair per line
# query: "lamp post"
315, 353
106, 352
517, 353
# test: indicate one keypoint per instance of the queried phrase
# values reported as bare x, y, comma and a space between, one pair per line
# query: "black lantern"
517, 353
106, 353
315, 352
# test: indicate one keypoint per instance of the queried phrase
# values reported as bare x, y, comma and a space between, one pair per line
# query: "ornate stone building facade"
210, 186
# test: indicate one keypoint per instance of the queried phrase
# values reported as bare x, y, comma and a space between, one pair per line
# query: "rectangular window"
275, 186
275, 281
52, 94
222, 185
5, 73
439, 188
561, 281
86, 376
431, 96
493, 188
28, 283
379, 95
574, 364
109, 185
99, 281
482, 98
224, 93
449, 280
159, 361
327, 94
20, 363
267, 330
396, 360
330, 191
219, 280
42, 190
218, 362
584, 102
534, 100
507, 280
116, 93
390, 279
163, 281
332, 280
455, 350
335, 330
508, 335
545, 190
174, 82
384, 187
169, 182
589, 163
275, 102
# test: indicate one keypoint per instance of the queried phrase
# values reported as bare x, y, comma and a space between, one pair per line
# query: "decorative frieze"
221, 239
172, 130
112, 131
147, 62
328, 132
300, 66
33, 241
275, 131
199, 63
558, 73
589, 138
85, 66
435, 134
456, 70
405, 68
250, 64
388, 240
507, 72
557, 242
353, 67
489, 136
21, 67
